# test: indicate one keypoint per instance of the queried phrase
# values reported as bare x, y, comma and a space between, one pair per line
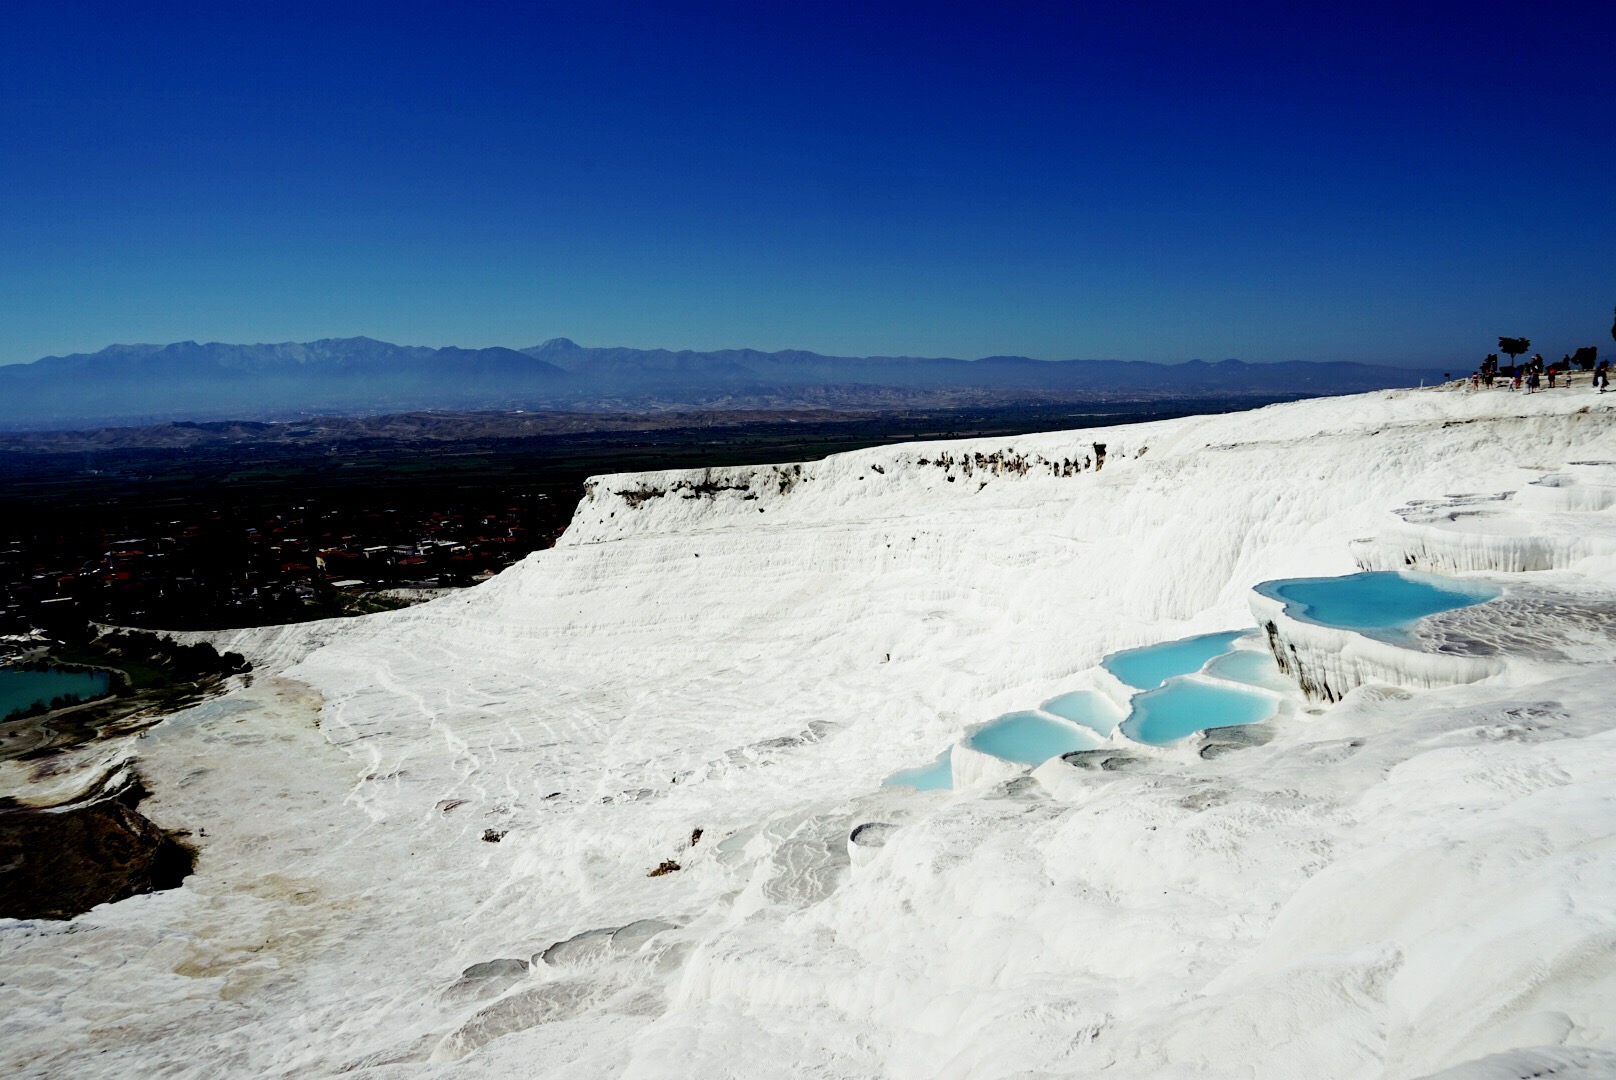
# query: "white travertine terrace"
971, 767
1407, 881
1550, 523
1327, 662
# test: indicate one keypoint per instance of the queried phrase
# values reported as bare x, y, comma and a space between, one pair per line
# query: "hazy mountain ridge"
192, 381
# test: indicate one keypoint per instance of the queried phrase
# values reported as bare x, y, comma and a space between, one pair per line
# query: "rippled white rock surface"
1552, 521
1406, 882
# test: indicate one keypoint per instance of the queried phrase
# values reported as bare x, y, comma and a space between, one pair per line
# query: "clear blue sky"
1396, 183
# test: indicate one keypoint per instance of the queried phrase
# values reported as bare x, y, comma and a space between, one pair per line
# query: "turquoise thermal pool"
1381, 600
1149, 667
1170, 707
938, 776
1093, 710
1030, 738
1250, 667
1185, 706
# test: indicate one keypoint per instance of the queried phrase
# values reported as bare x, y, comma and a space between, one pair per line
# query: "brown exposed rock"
61, 861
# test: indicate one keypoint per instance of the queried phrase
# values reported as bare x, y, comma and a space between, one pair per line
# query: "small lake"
24, 689
1185, 706
1149, 667
1379, 600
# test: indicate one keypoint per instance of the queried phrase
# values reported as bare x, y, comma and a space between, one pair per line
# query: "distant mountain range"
361, 376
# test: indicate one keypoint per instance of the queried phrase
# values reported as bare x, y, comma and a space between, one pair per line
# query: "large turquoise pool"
1030, 738
1380, 600
1185, 706
1149, 667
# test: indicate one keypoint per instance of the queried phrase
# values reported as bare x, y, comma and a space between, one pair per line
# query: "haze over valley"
131, 384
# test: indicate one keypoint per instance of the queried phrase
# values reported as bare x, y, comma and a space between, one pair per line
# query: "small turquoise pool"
938, 776
1149, 667
1093, 710
1252, 668
1030, 738
1185, 706
1380, 600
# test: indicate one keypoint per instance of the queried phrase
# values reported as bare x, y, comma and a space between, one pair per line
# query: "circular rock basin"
1380, 600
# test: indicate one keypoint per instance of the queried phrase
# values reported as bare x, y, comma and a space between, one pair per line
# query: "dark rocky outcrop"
58, 862
496, 969
1225, 740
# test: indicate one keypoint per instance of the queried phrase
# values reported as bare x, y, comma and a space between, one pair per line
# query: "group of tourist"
1534, 373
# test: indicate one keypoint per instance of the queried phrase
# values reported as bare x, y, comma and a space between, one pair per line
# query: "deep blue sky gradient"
1155, 182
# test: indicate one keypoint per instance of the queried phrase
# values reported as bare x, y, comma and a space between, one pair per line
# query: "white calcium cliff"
1551, 522
1328, 662
462, 839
